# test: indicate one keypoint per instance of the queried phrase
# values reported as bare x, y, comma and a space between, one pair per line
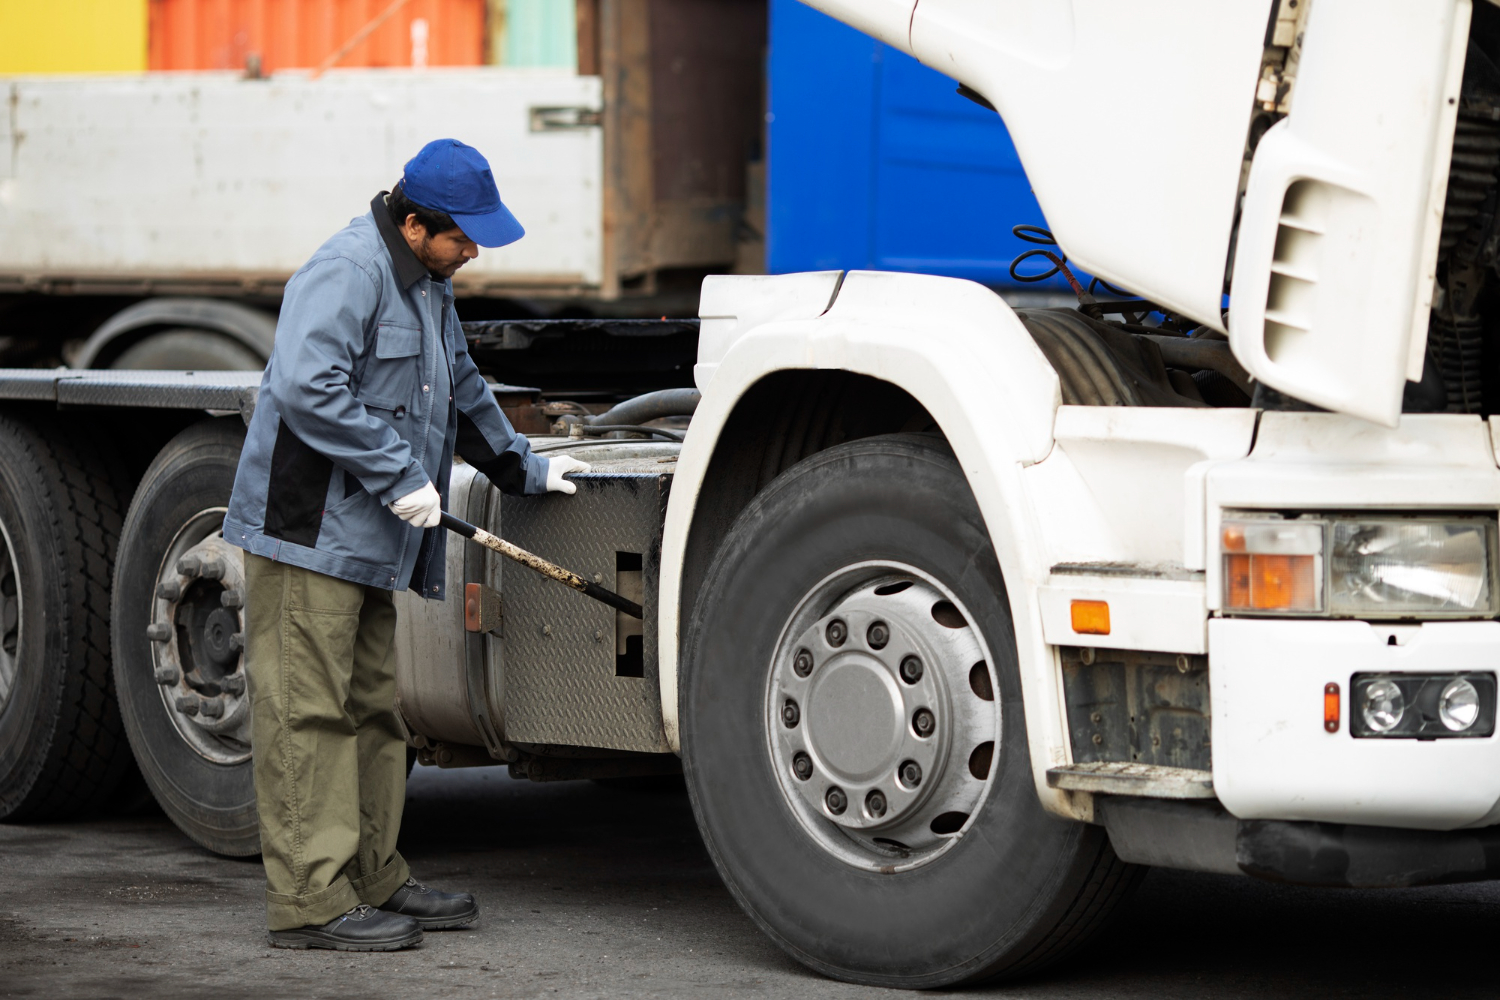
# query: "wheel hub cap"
873, 717
197, 642
854, 717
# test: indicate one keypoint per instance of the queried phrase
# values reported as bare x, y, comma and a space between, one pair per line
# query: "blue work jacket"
369, 393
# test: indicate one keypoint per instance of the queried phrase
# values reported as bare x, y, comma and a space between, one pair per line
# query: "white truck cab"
1241, 519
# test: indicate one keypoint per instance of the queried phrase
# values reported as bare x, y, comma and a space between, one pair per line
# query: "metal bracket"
482, 619
565, 119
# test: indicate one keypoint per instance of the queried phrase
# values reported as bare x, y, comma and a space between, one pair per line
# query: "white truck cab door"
1338, 239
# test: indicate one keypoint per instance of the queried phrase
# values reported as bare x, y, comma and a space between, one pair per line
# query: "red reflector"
472, 608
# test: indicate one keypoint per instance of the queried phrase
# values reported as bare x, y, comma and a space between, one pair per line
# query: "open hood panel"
1338, 239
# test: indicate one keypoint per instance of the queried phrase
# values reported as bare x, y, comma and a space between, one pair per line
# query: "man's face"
442, 254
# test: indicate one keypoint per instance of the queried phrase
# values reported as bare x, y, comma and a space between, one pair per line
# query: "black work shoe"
433, 910
363, 928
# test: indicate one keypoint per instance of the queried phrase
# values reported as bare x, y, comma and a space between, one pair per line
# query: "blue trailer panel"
875, 162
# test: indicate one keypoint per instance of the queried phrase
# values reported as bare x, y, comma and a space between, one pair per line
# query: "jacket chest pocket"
391, 374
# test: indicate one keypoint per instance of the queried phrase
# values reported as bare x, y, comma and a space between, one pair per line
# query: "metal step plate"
1125, 778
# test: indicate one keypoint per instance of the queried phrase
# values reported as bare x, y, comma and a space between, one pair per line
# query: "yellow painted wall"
72, 36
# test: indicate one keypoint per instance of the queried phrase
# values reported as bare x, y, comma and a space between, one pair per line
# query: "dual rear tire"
62, 744
69, 718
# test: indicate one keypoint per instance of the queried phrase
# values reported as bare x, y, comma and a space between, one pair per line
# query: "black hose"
1199, 353
648, 407
599, 430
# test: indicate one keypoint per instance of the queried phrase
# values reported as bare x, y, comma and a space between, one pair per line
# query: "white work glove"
561, 466
422, 508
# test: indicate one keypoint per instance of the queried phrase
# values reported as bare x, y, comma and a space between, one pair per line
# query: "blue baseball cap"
448, 176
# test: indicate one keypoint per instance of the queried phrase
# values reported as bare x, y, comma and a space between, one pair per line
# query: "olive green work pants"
330, 763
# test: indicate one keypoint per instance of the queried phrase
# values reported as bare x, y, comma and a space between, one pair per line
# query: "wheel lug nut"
169, 590
189, 566
878, 635
803, 663
790, 714
923, 722
159, 632
835, 800
212, 708
186, 704
213, 569
167, 675
237, 641
232, 599
875, 803
911, 774
233, 684
911, 670
837, 632
802, 765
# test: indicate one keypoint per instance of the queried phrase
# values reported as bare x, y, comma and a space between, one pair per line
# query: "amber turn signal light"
1272, 566
1330, 708
1091, 617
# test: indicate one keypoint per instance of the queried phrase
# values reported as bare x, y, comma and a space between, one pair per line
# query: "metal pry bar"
567, 577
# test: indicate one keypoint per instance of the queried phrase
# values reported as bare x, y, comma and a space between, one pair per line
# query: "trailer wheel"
62, 747
178, 639
188, 349
853, 734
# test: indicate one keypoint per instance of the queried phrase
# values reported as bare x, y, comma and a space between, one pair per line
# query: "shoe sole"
460, 922
302, 940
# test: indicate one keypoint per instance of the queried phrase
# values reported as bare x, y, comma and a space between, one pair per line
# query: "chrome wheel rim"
10, 617
196, 634
882, 716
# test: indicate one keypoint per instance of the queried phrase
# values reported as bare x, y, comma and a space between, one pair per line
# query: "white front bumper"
1272, 758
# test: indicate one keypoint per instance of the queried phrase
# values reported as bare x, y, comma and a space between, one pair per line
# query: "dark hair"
430, 219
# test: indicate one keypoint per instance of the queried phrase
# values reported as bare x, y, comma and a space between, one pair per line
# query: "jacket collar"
409, 270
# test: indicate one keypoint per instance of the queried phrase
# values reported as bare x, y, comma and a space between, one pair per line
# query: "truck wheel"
190, 350
854, 739
62, 747
178, 635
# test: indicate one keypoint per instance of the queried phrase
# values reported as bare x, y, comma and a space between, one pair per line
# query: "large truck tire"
854, 739
62, 746
179, 668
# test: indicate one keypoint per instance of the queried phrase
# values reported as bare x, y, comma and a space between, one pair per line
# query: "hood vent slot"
1292, 294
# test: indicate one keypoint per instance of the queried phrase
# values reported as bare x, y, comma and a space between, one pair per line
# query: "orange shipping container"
286, 34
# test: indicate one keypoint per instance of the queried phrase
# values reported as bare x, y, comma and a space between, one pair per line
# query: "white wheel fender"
962, 353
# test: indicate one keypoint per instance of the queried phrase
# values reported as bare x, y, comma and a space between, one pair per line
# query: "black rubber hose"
1089, 375
651, 406
599, 430
1202, 353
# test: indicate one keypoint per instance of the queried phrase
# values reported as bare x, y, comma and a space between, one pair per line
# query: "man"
369, 392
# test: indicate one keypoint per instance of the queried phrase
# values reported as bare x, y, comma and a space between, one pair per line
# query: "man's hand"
423, 508
561, 466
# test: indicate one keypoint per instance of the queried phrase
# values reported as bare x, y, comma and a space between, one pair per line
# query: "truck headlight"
1422, 706
1359, 567
1458, 705
1409, 566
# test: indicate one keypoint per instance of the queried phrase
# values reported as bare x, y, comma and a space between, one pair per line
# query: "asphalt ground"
594, 891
